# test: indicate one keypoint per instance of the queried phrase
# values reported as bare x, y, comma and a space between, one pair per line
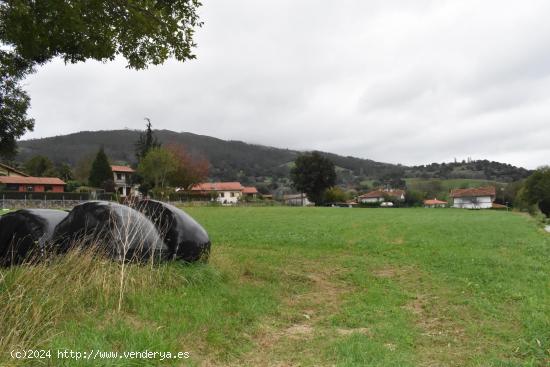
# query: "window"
119, 176
12, 187
222, 194
30, 188
48, 188
232, 194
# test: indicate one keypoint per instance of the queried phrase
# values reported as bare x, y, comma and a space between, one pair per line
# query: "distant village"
234, 193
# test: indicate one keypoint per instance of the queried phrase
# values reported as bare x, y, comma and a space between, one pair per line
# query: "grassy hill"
304, 286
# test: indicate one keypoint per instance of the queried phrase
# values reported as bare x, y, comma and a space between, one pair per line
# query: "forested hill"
230, 160
248, 163
478, 169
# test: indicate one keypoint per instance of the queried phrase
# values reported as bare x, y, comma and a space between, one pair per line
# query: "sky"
399, 81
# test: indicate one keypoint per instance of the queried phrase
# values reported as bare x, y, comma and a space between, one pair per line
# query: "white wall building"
122, 177
379, 196
227, 193
475, 198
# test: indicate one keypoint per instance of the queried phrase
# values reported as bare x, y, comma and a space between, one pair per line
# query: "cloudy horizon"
384, 80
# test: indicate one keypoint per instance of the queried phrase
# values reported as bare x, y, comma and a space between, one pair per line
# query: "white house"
474, 198
225, 192
122, 177
296, 200
379, 196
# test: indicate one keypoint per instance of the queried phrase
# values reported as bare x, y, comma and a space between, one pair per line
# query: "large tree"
146, 141
157, 166
39, 166
189, 170
537, 189
33, 32
313, 174
101, 172
14, 103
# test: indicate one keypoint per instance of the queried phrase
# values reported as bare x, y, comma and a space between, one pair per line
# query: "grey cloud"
396, 81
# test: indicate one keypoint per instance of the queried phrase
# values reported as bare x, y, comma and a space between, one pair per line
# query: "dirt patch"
385, 273
320, 298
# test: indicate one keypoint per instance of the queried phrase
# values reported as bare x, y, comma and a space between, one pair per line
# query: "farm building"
250, 192
379, 196
32, 184
434, 203
6, 170
473, 198
122, 177
296, 200
226, 192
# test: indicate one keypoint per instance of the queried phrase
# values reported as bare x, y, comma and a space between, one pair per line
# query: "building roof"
8, 168
434, 202
218, 186
250, 190
474, 192
31, 180
122, 169
382, 193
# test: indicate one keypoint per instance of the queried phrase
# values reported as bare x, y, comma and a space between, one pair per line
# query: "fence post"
25, 200
3, 200
63, 201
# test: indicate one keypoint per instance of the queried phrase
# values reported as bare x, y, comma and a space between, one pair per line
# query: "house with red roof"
474, 198
381, 195
434, 203
33, 184
225, 192
122, 177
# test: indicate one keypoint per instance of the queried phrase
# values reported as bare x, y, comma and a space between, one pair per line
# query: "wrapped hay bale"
25, 233
117, 230
185, 238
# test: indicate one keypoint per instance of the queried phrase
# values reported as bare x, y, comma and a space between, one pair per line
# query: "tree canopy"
14, 102
39, 166
32, 33
156, 167
313, 174
537, 189
101, 171
146, 141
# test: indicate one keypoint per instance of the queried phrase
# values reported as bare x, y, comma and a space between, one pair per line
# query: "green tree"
39, 166
14, 103
335, 195
65, 172
146, 141
157, 166
101, 172
313, 174
537, 189
144, 32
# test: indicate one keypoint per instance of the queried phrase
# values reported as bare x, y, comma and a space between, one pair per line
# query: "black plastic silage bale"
118, 230
186, 239
24, 233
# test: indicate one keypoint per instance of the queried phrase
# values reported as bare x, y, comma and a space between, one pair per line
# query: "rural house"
225, 192
250, 192
6, 170
379, 196
296, 200
122, 177
32, 184
474, 198
434, 203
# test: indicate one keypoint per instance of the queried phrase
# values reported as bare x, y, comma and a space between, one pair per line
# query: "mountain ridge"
246, 162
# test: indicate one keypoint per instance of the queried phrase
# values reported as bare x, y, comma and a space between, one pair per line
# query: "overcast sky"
406, 81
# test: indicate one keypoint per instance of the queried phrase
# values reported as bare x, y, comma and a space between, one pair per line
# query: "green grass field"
305, 287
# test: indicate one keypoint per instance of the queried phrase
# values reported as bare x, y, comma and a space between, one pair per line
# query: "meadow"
304, 287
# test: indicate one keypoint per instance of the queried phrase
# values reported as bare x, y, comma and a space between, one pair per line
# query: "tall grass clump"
36, 296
